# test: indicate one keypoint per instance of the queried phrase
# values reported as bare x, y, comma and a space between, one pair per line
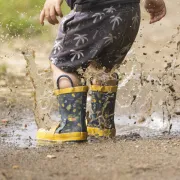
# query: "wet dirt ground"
120, 158
141, 153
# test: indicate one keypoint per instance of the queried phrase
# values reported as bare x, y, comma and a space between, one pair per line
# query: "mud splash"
43, 93
147, 102
150, 98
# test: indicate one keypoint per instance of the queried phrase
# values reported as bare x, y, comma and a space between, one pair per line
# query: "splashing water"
42, 94
149, 99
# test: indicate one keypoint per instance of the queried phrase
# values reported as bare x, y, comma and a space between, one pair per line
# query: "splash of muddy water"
42, 92
143, 96
151, 98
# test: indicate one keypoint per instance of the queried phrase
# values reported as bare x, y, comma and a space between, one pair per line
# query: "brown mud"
147, 145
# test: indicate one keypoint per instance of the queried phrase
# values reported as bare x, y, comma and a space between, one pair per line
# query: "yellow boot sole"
93, 131
46, 135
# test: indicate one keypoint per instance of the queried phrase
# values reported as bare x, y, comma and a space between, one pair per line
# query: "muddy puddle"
23, 134
19, 134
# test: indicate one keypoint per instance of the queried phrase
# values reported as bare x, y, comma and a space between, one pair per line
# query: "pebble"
157, 52
51, 156
75, 156
99, 156
15, 167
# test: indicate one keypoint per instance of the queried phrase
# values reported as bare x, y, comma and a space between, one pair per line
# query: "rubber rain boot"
101, 121
72, 111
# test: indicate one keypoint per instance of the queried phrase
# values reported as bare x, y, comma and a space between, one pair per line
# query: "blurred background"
20, 18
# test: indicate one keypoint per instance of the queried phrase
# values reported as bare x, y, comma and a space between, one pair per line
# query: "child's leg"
64, 82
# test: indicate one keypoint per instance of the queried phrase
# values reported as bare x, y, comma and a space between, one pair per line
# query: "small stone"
75, 156
51, 156
157, 52
99, 156
15, 167
25, 148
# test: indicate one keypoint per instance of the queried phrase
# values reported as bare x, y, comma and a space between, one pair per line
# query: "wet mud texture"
125, 157
139, 159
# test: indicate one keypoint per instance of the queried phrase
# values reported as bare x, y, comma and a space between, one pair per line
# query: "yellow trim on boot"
46, 135
109, 89
71, 90
93, 131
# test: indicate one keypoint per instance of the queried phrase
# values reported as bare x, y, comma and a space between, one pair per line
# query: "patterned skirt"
103, 34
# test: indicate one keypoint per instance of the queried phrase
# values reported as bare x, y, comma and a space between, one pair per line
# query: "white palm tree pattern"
115, 20
135, 21
57, 46
106, 35
109, 39
54, 60
81, 39
95, 34
97, 16
94, 49
77, 27
76, 54
109, 10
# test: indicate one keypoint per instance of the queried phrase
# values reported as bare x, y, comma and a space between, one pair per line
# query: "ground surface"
140, 159
126, 157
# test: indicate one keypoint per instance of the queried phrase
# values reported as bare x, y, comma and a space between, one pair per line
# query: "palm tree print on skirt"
93, 35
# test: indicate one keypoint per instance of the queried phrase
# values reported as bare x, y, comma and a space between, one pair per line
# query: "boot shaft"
72, 109
103, 105
72, 112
